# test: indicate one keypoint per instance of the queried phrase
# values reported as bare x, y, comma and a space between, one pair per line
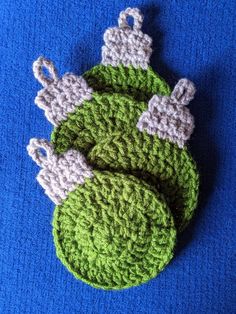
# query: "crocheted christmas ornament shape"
111, 230
117, 167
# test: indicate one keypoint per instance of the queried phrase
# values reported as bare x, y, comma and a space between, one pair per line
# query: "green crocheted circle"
138, 83
114, 231
164, 165
108, 114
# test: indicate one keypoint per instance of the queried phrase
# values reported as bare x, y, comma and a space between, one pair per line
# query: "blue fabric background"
194, 39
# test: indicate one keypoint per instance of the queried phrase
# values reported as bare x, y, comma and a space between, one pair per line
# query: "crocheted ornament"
111, 230
114, 229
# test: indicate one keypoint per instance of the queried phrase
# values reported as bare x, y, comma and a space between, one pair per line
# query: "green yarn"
99, 123
102, 115
114, 231
139, 83
170, 169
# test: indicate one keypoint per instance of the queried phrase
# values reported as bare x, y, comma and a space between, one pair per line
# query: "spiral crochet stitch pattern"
117, 167
114, 232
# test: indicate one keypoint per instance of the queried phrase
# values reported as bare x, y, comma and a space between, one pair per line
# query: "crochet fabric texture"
117, 167
114, 232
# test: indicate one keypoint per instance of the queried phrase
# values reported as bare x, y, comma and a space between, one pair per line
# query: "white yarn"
38, 66
168, 117
60, 174
126, 45
59, 96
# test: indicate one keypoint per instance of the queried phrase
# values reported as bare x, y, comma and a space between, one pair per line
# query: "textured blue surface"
195, 39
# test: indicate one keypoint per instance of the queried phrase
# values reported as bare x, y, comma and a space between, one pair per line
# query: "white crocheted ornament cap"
127, 45
60, 174
168, 116
59, 96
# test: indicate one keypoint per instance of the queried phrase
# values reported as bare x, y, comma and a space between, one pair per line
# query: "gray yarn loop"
133, 12
38, 66
183, 92
35, 148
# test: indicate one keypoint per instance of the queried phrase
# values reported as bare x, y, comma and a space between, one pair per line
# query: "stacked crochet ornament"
117, 166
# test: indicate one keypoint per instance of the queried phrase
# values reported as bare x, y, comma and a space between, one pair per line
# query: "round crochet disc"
164, 165
114, 231
139, 83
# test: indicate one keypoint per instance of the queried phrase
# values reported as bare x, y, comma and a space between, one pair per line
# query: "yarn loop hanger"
38, 67
36, 148
183, 92
137, 16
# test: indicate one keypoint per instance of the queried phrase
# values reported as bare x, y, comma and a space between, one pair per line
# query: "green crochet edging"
139, 83
114, 232
108, 114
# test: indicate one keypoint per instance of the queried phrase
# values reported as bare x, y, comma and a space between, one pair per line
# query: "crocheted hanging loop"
60, 96
183, 92
59, 174
125, 45
38, 66
35, 150
167, 117
133, 12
